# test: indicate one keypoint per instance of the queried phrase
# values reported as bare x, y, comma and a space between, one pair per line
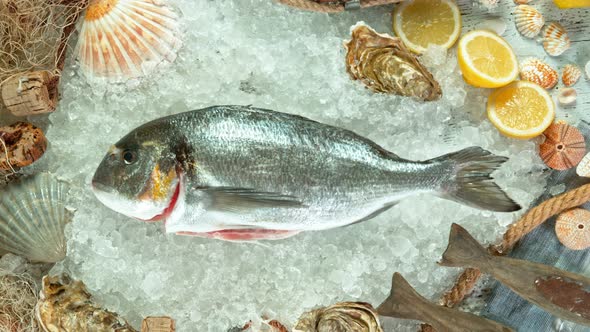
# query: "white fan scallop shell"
529, 21
123, 39
555, 39
583, 168
33, 216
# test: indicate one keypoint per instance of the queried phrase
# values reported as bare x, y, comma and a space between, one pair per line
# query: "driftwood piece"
158, 324
31, 93
24, 144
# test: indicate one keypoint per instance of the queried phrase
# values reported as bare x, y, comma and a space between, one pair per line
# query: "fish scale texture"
260, 53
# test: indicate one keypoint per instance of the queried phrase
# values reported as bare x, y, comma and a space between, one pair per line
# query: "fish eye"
129, 157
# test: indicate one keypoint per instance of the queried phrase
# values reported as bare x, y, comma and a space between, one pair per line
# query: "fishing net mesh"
17, 303
34, 34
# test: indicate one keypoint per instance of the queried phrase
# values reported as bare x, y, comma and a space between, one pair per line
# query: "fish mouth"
168, 210
134, 208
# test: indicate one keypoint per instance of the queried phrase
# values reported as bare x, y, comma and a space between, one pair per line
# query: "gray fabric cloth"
542, 246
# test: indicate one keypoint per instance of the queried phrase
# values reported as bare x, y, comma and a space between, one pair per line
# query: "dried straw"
34, 34
18, 298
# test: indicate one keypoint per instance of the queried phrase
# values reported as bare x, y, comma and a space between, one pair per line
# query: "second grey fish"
243, 173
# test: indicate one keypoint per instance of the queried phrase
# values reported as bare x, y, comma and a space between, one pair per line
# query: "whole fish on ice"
243, 173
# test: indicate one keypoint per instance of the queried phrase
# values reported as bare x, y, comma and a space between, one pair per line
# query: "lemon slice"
521, 109
422, 22
486, 60
572, 3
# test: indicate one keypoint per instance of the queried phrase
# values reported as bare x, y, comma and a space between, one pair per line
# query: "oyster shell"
384, 64
343, 316
66, 306
33, 216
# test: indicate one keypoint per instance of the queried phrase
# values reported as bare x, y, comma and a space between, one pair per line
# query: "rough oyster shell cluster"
340, 317
66, 306
384, 64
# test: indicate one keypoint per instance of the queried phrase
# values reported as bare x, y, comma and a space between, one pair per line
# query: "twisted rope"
331, 7
527, 223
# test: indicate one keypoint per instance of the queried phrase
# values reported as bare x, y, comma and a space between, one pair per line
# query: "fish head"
138, 178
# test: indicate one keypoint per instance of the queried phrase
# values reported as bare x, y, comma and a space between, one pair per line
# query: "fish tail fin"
470, 182
403, 300
463, 250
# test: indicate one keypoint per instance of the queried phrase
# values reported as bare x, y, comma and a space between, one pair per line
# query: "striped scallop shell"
572, 228
537, 71
555, 39
583, 168
529, 21
564, 146
122, 39
571, 74
33, 216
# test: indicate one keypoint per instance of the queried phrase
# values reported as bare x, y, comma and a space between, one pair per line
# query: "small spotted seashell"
567, 96
571, 75
537, 71
583, 168
563, 148
555, 39
529, 21
572, 228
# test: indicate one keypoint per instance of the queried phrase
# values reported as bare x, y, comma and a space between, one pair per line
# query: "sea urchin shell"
555, 39
127, 38
537, 71
529, 21
571, 74
572, 228
563, 148
384, 64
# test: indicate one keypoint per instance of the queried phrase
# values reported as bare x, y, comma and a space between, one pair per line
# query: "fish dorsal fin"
235, 200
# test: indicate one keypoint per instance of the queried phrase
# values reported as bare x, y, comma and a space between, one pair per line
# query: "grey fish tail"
463, 250
403, 300
470, 182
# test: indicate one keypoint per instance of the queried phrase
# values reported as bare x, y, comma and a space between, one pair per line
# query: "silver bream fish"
243, 173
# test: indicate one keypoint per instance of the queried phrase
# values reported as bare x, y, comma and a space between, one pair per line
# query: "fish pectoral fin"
238, 199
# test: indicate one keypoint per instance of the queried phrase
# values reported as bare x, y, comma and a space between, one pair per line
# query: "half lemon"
419, 23
521, 110
486, 59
